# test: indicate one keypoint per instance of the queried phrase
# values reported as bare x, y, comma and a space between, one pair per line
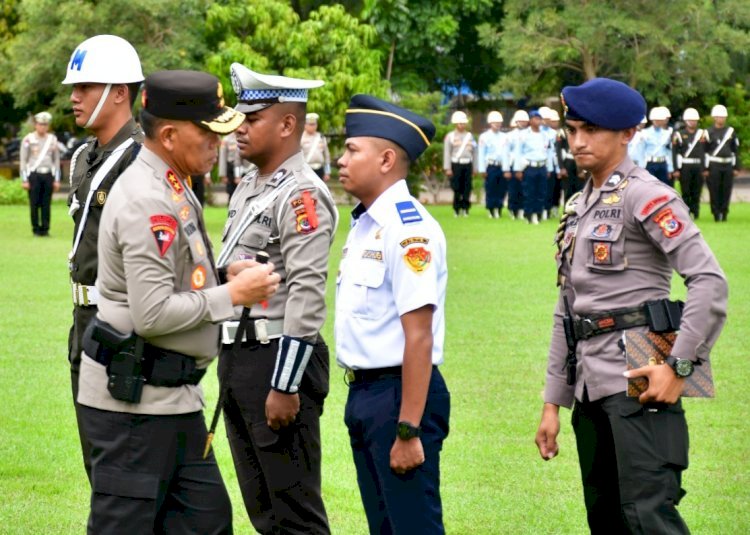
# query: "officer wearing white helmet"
551, 127
105, 74
459, 162
721, 162
40, 171
635, 147
519, 123
494, 163
689, 146
657, 145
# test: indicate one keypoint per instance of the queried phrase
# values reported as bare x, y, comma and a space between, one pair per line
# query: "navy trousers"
659, 170
534, 190
515, 195
631, 457
394, 503
495, 186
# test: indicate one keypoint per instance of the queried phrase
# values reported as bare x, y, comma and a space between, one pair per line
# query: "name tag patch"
372, 255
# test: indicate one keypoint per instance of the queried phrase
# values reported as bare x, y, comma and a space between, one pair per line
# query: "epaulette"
408, 212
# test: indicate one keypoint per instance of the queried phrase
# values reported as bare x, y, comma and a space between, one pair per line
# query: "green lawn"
500, 298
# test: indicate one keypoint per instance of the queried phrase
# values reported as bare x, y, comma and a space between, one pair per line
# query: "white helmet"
553, 115
719, 111
521, 115
494, 117
104, 59
459, 117
43, 117
659, 113
691, 114
544, 111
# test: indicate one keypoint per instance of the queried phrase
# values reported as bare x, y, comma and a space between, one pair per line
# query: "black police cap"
369, 116
190, 96
604, 102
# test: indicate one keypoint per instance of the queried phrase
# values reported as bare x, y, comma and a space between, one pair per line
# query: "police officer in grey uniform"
722, 163
689, 147
276, 384
157, 328
105, 73
459, 162
315, 148
39, 165
620, 241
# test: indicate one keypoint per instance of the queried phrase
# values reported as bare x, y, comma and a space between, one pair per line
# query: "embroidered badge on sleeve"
418, 259
198, 278
164, 229
668, 222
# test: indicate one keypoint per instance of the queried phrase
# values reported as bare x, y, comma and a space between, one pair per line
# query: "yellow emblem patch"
184, 213
418, 259
101, 197
612, 199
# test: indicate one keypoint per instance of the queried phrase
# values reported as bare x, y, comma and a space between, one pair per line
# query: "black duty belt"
612, 320
661, 315
161, 367
374, 374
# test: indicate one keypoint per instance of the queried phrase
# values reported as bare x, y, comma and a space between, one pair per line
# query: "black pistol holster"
663, 315
571, 360
125, 355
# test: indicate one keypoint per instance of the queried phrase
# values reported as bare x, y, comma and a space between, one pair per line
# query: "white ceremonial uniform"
394, 262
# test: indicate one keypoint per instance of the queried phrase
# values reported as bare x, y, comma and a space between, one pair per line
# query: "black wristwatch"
682, 367
407, 431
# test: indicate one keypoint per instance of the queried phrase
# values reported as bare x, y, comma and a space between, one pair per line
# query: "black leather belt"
161, 367
375, 374
612, 320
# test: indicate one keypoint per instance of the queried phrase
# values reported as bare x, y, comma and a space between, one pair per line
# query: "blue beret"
368, 116
603, 102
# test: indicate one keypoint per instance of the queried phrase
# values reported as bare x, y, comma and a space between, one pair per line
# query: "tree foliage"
268, 36
668, 50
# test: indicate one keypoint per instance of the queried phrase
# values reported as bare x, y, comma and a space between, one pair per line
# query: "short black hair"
133, 92
150, 123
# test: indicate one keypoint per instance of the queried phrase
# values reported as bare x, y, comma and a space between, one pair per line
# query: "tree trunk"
391, 54
589, 64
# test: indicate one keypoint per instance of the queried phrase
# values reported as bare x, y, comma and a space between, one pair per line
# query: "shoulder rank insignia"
615, 179
174, 182
408, 212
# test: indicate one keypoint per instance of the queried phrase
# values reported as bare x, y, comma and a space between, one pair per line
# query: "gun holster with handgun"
571, 361
125, 369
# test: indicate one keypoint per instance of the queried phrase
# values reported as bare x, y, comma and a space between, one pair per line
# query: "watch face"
684, 367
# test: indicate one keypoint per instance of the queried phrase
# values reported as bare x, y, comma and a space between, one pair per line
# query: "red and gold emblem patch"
164, 229
184, 213
668, 222
198, 278
602, 253
418, 259
175, 183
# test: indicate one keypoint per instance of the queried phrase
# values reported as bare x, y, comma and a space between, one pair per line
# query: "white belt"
691, 160
657, 159
264, 329
496, 163
83, 295
540, 163
461, 160
720, 160
43, 170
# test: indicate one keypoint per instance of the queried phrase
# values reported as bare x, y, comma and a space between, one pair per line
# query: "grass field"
500, 297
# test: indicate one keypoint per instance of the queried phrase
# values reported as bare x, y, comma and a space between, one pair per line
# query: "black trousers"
40, 200
631, 458
81, 318
554, 191
660, 171
720, 182
691, 183
461, 185
279, 472
397, 503
149, 475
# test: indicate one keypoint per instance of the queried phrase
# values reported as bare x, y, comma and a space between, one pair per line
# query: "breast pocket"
256, 237
605, 247
371, 296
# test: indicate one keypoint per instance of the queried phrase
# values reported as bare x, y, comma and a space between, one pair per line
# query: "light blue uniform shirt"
394, 262
657, 144
494, 146
635, 149
533, 147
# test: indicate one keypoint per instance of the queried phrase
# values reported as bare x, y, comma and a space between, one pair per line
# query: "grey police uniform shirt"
40, 155
156, 277
297, 247
618, 249
315, 150
452, 152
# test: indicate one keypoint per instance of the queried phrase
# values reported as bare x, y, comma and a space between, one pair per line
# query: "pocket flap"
126, 484
372, 276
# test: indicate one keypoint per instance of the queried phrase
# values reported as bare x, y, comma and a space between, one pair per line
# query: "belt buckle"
261, 331
587, 328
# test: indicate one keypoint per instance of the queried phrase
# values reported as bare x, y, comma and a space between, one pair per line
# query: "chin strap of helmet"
99, 105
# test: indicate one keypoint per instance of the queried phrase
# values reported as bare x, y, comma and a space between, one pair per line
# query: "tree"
668, 50
49, 31
268, 36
